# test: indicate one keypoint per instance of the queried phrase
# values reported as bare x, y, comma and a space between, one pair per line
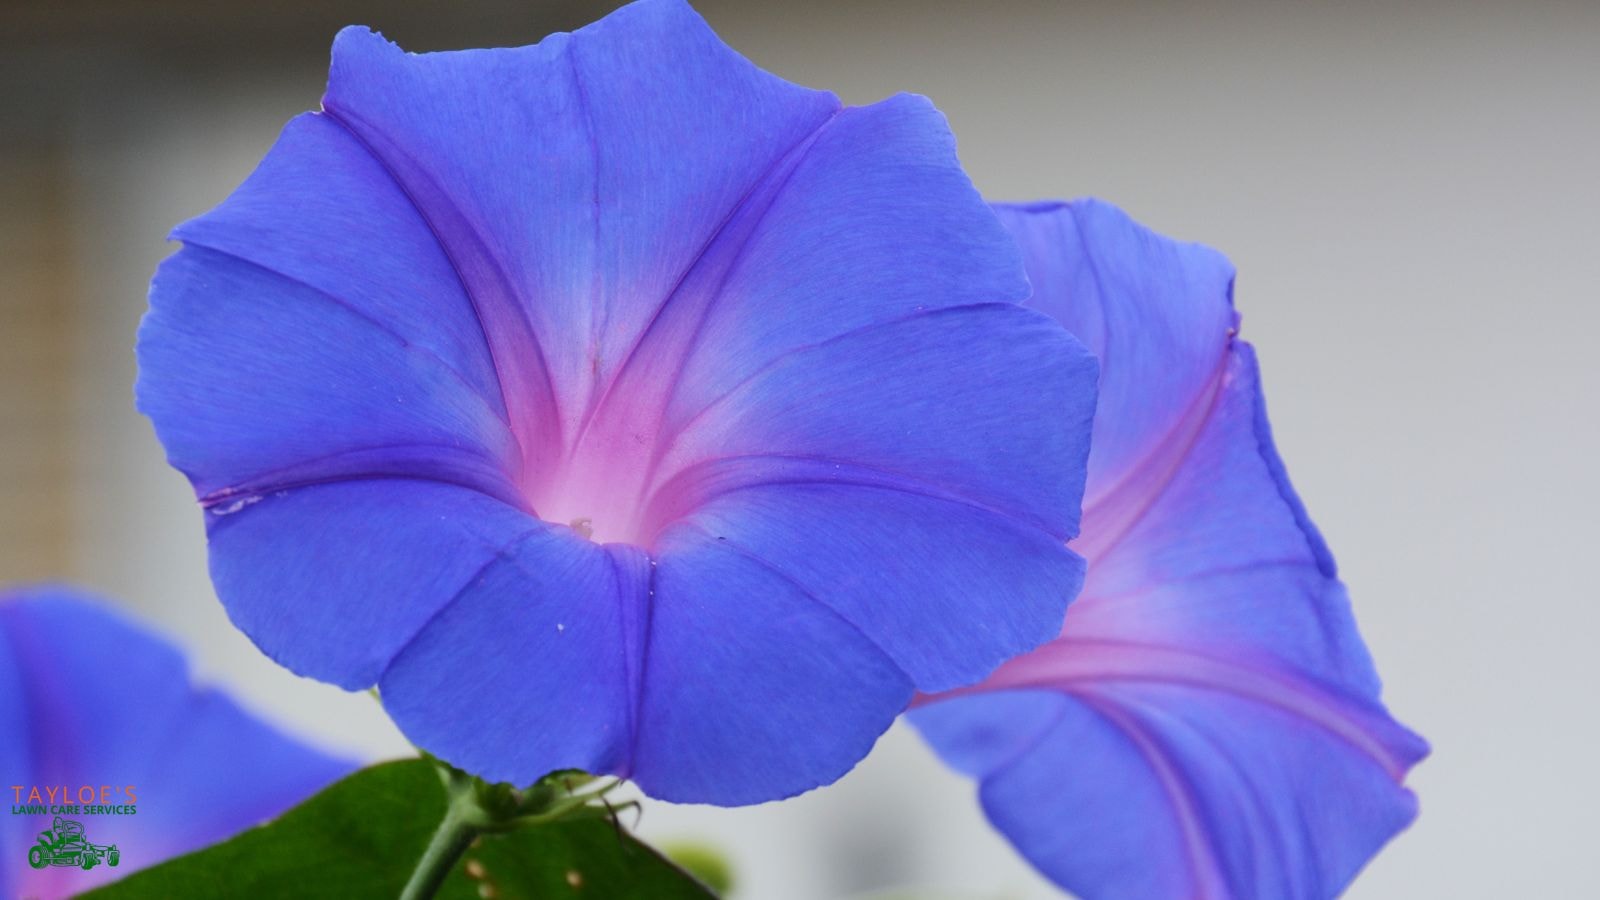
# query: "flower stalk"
456, 832
473, 807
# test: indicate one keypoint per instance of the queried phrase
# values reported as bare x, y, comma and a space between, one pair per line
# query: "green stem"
473, 808
462, 824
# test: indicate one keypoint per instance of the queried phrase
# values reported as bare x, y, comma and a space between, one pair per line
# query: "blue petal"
333, 580
92, 699
827, 691
1128, 778
987, 403
257, 382
1156, 313
16, 763
1219, 553
899, 488
851, 230
823, 533
572, 179
531, 667
982, 734
1208, 722
319, 181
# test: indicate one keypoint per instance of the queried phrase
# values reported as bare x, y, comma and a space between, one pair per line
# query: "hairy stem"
474, 808
463, 822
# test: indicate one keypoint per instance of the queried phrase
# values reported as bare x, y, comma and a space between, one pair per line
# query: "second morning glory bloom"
97, 711
1207, 724
615, 405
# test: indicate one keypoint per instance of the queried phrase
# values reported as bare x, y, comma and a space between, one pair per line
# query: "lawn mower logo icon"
63, 844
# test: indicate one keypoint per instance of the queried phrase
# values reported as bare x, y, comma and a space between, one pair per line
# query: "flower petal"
1224, 556
878, 471
16, 763
319, 182
1155, 312
823, 531
1208, 722
826, 690
257, 382
92, 699
857, 228
988, 403
333, 580
531, 666
1146, 788
570, 179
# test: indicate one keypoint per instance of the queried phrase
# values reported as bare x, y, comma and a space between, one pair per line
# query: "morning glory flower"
612, 404
97, 711
1208, 723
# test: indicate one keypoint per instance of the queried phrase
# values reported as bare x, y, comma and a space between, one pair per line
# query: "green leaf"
362, 836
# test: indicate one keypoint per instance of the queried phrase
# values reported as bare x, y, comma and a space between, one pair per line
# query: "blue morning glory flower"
1207, 724
613, 404
97, 711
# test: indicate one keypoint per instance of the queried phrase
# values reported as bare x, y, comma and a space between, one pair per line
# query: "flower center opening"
613, 479
606, 489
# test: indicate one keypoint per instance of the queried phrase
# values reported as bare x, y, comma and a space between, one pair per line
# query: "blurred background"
1411, 193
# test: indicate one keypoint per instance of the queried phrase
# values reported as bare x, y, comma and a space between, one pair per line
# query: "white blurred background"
1411, 193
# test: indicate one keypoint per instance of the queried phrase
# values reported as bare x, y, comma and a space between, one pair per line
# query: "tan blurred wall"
37, 366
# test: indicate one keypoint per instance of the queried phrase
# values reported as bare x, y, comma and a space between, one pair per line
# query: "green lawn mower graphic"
63, 844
